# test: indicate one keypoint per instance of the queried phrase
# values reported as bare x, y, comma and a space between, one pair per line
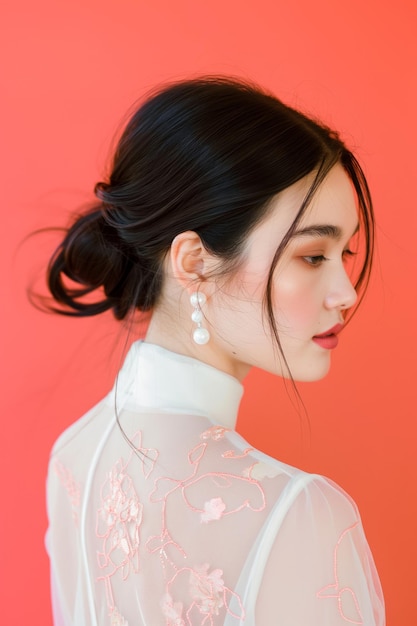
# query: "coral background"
70, 71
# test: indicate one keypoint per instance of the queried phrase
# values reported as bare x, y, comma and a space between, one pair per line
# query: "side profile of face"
310, 293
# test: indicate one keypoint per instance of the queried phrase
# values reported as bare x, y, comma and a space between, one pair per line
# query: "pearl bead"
201, 336
197, 316
197, 299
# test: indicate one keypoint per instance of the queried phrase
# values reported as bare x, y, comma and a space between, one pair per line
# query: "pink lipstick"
329, 339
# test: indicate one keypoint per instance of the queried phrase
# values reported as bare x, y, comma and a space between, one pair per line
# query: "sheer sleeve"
56, 604
319, 571
56, 600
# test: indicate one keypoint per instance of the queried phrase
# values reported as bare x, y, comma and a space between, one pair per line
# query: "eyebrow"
322, 230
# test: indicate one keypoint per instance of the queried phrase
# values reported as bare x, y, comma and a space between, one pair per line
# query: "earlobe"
188, 259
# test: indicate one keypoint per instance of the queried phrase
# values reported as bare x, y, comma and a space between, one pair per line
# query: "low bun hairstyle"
205, 155
93, 255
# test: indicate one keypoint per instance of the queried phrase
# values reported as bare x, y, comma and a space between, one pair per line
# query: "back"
187, 524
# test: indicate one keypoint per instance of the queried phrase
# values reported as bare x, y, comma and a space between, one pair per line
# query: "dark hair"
205, 155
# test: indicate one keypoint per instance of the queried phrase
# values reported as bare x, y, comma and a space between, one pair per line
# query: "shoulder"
313, 542
289, 486
266, 466
81, 431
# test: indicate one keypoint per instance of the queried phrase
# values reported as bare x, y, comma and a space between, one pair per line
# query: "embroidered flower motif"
209, 596
119, 528
71, 487
118, 523
215, 433
233, 454
116, 619
207, 589
213, 510
172, 611
260, 470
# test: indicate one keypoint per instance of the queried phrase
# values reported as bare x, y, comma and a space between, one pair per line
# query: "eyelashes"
315, 260
348, 253
318, 259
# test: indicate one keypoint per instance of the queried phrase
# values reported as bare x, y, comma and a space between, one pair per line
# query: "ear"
189, 260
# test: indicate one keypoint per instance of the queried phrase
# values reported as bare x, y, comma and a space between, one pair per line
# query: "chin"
301, 369
315, 374
312, 379
309, 373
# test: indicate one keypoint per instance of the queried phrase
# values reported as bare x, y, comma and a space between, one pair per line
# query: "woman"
230, 217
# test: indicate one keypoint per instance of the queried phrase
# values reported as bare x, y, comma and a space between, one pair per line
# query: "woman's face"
311, 287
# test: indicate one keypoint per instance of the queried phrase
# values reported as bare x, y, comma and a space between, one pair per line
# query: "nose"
341, 293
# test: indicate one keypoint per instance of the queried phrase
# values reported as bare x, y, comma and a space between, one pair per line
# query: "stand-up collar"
153, 377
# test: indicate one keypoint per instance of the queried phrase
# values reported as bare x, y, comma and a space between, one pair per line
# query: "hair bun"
93, 256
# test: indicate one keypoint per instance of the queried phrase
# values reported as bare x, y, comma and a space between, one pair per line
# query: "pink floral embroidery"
231, 454
215, 433
209, 596
213, 510
207, 589
172, 611
208, 592
118, 523
347, 601
119, 529
116, 619
71, 487
164, 487
261, 470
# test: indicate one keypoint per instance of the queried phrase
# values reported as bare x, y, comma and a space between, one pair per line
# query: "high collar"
153, 377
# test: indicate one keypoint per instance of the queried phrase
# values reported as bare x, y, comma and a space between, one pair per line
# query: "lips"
332, 331
329, 339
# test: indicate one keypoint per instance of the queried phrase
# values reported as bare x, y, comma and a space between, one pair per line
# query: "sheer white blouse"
188, 524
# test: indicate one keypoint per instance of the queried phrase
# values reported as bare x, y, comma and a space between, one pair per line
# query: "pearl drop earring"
200, 335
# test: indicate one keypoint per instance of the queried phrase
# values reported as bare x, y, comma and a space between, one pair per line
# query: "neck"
178, 338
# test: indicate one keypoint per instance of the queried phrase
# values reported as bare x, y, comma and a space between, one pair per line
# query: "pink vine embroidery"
347, 601
215, 433
208, 592
119, 529
214, 509
71, 487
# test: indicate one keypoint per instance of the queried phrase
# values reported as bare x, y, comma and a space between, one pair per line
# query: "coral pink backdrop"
70, 70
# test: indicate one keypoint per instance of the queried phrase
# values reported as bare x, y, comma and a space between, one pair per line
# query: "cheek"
237, 306
296, 300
